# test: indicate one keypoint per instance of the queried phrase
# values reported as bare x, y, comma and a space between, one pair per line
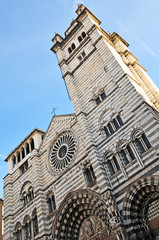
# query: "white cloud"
147, 48
142, 43
2, 156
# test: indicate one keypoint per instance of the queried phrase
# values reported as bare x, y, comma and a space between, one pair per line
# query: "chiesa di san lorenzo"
94, 174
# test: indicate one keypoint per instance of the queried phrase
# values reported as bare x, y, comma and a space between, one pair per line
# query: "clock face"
63, 151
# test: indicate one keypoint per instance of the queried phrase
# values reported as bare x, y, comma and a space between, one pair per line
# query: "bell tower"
116, 106
93, 62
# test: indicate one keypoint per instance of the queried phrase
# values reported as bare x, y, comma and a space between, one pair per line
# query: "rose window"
62, 152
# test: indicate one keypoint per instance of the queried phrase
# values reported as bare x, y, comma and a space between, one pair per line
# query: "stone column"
117, 230
29, 146
32, 229
25, 150
23, 232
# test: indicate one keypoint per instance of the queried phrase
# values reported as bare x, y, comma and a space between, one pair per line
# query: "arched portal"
141, 209
81, 210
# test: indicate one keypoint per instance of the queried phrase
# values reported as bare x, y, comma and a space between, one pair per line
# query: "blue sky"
30, 78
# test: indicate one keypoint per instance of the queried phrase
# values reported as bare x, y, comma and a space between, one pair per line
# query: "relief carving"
93, 229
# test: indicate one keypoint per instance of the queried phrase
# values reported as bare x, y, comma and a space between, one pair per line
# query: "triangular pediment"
58, 124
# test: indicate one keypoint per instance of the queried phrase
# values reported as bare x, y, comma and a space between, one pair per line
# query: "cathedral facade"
93, 175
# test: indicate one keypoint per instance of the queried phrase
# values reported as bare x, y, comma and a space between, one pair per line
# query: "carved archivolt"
80, 207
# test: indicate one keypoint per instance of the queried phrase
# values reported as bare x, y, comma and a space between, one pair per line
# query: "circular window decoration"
63, 151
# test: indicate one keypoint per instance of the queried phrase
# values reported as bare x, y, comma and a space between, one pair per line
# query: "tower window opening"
106, 131
82, 56
32, 144
23, 153
120, 120
83, 35
116, 124
110, 128
18, 157
97, 100
79, 58
27, 148
79, 39
103, 96
100, 98
69, 50
73, 46
14, 161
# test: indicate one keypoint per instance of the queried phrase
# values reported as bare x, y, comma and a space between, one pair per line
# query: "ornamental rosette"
62, 152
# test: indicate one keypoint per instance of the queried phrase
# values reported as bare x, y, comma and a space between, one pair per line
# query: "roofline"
85, 10
34, 130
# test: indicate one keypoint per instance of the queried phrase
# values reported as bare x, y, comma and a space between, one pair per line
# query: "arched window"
112, 163
107, 131
131, 154
116, 124
18, 232
23, 153
113, 126
14, 161
119, 120
51, 203
27, 192
32, 144
83, 35
141, 141
97, 100
73, 46
35, 222
18, 157
139, 146
25, 198
27, 227
116, 163
79, 39
125, 152
146, 141
30, 194
100, 97
69, 50
124, 157
110, 167
103, 96
110, 128
89, 173
27, 148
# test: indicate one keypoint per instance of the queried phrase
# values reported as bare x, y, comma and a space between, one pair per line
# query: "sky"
30, 79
